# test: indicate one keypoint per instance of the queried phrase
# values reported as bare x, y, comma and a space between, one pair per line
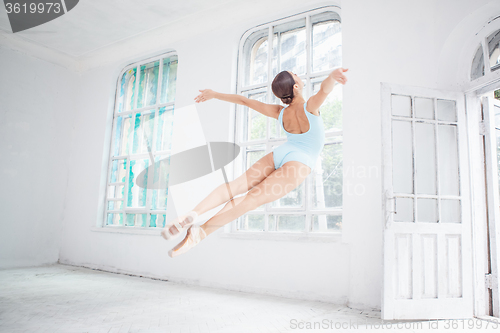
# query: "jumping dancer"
275, 174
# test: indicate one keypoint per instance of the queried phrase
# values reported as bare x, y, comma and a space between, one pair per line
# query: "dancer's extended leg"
253, 176
275, 186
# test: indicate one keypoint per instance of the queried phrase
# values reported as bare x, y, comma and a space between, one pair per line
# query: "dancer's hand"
338, 75
205, 95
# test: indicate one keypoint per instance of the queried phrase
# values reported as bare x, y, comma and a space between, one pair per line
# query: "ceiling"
95, 24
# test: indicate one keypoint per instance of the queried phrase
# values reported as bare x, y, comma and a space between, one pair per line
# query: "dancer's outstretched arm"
268, 110
316, 100
207, 94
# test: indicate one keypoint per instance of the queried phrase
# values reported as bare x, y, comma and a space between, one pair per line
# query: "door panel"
427, 237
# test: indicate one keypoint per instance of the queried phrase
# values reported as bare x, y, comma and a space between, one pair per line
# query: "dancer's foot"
173, 229
195, 234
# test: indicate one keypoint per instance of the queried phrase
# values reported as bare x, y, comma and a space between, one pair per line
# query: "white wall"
384, 41
37, 106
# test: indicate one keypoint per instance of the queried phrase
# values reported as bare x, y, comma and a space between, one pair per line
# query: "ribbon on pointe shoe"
188, 220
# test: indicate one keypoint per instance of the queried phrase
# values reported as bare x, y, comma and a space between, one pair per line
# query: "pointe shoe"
188, 220
195, 234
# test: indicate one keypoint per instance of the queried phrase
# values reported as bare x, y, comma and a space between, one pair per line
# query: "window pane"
165, 128
327, 178
116, 192
446, 110
254, 153
450, 211
127, 91
494, 50
148, 84
115, 205
427, 210
448, 160
123, 133
137, 220
254, 222
425, 143
143, 132
159, 190
118, 171
136, 194
326, 223
401, 105
331, 109
117, 133
271, 223
256, 123
402, 157
291, 222
477, 68
293, 199
404, 210
255, 51
169, 80
157, 220
326, 45
292, 46
115, 219
424, 108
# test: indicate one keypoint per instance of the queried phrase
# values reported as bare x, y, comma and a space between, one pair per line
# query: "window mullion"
268, 99
437, 162
130, 145
308, 53
125, 189
270, 56
110, 164
152, 166
278, 52
268, 88
138, 78
307, 185
308, 202
486, 58
146, 108
160, 78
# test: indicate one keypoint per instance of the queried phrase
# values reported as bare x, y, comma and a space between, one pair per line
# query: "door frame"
482, 206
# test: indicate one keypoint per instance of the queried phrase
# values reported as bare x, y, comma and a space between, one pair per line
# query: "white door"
426, 205
491, 131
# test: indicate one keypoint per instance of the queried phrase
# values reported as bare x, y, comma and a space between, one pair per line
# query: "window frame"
488, 71
169, 105
310, 78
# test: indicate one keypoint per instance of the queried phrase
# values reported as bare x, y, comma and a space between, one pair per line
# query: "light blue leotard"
304, 147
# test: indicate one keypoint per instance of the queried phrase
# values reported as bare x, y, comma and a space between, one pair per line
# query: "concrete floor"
60, 298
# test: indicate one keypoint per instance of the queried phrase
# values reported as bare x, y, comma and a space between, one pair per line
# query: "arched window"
142, 130
479, 66
310, 45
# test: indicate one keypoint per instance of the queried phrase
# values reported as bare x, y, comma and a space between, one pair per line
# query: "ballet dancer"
275, 174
